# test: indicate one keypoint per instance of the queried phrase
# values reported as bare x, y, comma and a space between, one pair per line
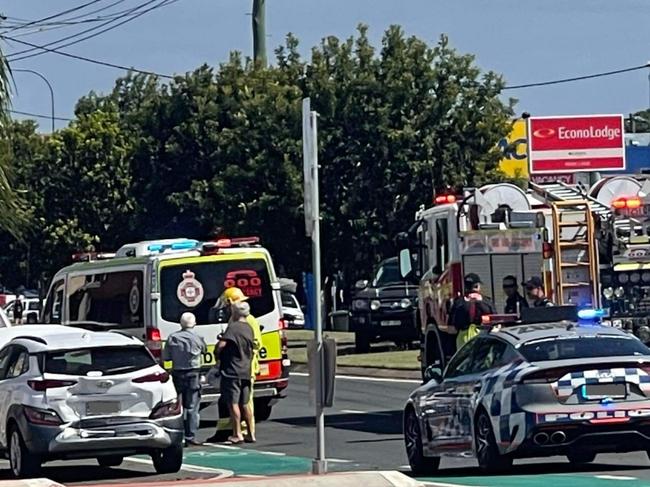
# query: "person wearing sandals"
235, 350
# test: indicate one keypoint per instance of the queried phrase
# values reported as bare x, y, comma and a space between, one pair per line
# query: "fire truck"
566, 235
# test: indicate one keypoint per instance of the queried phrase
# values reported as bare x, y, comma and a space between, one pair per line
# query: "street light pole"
48, 85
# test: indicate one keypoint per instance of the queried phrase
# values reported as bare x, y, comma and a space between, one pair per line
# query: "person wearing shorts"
235, 350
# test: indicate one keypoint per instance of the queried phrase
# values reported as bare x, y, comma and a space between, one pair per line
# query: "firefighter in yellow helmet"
233, 301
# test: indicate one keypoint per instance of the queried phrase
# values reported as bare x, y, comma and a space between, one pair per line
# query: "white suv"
70, 393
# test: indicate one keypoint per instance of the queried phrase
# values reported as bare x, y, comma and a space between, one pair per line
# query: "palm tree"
12, 210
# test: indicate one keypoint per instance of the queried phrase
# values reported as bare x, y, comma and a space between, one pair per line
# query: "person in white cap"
184, 348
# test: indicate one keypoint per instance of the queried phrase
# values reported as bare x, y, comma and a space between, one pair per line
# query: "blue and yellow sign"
515, 151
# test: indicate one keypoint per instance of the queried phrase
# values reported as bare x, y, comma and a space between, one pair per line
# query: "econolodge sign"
576, 144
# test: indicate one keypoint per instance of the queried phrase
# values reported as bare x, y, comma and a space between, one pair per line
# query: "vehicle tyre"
578, 457
31, 319
168, 460
23, 463
110, 461
420, 465
487, 451
362, 342
262, 409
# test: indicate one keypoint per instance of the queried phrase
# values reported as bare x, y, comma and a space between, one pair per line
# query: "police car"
551, 384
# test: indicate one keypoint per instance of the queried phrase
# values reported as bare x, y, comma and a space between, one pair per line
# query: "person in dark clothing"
18, 310
467, 311
515, 302
535, 292
235, 349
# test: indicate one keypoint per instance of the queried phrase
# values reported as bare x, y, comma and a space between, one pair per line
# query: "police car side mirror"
432, 374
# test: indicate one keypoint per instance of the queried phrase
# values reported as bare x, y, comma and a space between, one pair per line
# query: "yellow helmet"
234, 295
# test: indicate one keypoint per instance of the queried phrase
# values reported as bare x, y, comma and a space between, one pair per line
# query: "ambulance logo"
134, 298
190, 291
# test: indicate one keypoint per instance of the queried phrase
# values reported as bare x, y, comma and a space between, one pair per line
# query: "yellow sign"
514, 147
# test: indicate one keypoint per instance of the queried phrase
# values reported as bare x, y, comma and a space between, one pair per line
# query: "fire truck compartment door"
492, 268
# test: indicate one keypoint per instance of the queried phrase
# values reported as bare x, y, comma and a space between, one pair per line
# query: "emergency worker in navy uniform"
535, 292
515, 302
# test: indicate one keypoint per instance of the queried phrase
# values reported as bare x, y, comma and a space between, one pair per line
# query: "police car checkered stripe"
568, 383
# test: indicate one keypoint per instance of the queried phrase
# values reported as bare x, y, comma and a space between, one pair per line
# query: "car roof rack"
26, 337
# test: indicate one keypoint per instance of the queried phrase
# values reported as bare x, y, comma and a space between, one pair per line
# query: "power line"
38, 115
70, 10
578, 78
12, 57
87, 59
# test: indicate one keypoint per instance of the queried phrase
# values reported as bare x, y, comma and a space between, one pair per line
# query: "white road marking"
338, 460
189, 468
366, 379
442, 484
615, 477
230, 447
353, 411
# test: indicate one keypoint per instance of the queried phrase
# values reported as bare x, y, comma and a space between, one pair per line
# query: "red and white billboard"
576, 144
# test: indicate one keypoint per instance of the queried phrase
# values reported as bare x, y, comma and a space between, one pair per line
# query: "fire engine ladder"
563, 192
576, 254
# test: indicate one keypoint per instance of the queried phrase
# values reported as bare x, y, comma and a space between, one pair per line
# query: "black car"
385, 309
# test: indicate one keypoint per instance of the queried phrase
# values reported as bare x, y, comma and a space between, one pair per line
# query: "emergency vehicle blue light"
590, 314
190, 244
155, 247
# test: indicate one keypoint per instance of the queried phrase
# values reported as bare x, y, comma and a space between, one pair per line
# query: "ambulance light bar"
226, 243
183, 245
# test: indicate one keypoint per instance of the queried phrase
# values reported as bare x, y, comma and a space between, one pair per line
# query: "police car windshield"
196, 287
388, 273
582, 347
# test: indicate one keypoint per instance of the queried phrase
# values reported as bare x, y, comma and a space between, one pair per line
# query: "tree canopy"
219, 151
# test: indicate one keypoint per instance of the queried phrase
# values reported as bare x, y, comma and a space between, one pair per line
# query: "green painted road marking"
243, 461
556, 480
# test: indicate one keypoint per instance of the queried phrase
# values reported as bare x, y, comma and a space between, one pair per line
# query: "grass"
302, 336
400, 360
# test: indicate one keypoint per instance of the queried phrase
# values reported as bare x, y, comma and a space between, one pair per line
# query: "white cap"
188, 320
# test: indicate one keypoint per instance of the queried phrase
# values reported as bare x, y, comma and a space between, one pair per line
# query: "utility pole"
259, 32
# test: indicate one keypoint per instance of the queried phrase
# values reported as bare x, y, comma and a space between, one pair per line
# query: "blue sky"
525, 40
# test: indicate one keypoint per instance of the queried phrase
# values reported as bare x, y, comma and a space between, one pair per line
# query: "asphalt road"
363, 431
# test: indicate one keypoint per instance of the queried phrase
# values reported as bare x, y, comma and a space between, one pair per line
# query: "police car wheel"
581, 457
262, 410
420, 465
487, 452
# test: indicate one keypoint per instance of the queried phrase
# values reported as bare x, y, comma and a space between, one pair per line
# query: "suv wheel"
420, 465
168, 460
487, 451
31, 319
361, 342
110, 461
24, 464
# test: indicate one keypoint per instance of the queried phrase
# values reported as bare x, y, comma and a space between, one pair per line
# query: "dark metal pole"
48, 85
259, 32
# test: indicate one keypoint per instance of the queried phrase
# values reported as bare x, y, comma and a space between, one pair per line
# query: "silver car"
559, 388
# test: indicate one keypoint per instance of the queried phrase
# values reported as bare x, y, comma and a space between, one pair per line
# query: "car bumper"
90, 438
386, 325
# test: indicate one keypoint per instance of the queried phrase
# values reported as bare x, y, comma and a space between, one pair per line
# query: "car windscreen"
197, 286
582, 347
388, 273
107, 360
288, 301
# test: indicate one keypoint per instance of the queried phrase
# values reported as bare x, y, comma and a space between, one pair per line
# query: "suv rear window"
108, 360
196, 287
582, 347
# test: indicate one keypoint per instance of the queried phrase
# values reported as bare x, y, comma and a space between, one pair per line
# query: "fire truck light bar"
631, 203
445, 199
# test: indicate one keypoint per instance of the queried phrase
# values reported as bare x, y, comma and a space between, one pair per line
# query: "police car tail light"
167, 409
155, 377
45, 417
45, 384
154, 342
545, 376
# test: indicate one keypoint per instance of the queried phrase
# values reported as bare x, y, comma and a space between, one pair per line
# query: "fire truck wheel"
361, 342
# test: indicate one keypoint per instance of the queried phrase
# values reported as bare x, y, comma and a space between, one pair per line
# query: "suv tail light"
154, 342
45, 417
43, 385
167, 409
155, 377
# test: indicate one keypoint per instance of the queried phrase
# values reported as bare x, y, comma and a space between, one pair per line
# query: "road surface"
363, 431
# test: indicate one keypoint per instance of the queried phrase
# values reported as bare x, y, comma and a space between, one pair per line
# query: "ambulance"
143, 289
